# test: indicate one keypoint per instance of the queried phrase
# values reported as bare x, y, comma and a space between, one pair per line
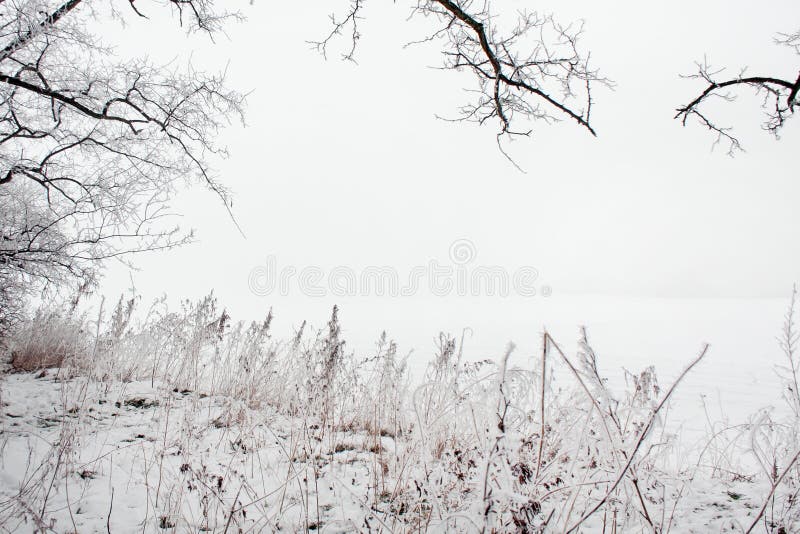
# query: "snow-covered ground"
135, 458
141, 458
189, 422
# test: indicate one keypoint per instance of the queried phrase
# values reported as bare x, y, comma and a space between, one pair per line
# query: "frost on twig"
779, 94
92, 145
532, 70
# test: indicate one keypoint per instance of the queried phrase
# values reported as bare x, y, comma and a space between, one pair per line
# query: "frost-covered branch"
532, 70
779, 96
93, 146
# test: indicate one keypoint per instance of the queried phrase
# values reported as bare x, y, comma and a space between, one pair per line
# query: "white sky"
345, 164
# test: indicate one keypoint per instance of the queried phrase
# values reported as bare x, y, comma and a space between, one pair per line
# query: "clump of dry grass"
48, 340
476, 446
37, 358
481, 443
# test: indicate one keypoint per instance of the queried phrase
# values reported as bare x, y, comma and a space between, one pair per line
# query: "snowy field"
430, 266
188, 421
145, 459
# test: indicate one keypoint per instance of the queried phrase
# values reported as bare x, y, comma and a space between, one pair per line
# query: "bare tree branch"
93, 146
779, 97
532, 71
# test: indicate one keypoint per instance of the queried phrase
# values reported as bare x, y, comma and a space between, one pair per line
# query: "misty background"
644, 234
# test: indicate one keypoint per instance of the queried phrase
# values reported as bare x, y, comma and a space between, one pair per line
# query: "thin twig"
639, 441
772, 492
541, 406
